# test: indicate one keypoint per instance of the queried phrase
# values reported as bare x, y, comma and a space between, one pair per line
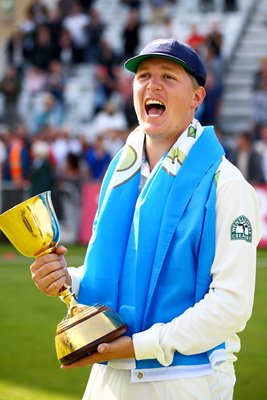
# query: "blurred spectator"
108, 57
131, 33
211, 105
17, 160
54, 24
74, 172
27, 28
10, 88
94, 32
260, 74
76, 23
34, 81
65, 7
230, 5
104, 87
123, 83
2, 155
61, 145
247, 159
111, 124
50, 114
42, 174
44, 48
214, 63
66, 52
55, 82
214, 39
158, 10
110, 117
86, 5
210, 108
261, 147
15, 52
196, 39
129, 113
39, 11
105, 82
115, 140
259, 110
135, 4
97, 159
222, 138
70, 183
167, 29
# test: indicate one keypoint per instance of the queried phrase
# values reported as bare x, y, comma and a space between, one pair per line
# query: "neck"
155, 149
153, 154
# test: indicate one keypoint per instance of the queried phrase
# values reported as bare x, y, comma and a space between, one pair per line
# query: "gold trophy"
32, 227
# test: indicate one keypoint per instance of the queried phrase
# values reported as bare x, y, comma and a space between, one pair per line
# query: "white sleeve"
227, 306
76, 274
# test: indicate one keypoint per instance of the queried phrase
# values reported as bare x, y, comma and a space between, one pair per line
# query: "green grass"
251, 367
29, 369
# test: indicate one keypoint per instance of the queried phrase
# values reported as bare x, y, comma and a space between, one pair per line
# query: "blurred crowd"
40, 152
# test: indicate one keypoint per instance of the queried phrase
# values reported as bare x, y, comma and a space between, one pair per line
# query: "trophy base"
91, 347
80, 335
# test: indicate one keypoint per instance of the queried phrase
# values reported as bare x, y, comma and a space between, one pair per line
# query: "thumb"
103, 348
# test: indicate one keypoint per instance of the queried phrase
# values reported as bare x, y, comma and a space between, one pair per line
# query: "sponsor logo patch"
241, 229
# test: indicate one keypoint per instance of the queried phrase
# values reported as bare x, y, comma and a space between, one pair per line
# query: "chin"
152, 129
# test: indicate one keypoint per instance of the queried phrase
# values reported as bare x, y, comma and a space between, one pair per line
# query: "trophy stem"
67, 296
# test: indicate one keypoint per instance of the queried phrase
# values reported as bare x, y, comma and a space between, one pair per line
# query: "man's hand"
49, 272
118, 348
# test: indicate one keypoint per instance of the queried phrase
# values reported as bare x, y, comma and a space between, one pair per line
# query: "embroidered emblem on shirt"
191, 131
241, 229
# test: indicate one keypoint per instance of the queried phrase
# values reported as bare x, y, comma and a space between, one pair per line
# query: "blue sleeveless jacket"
151, 253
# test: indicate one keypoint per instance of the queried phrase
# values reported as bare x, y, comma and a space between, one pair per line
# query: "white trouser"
106, 383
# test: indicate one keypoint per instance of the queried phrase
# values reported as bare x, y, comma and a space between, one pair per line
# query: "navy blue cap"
174, 50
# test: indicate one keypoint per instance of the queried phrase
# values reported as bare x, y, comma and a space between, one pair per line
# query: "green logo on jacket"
241, 229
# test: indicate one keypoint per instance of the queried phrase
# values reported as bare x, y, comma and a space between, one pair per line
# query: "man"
173, 248
248, 159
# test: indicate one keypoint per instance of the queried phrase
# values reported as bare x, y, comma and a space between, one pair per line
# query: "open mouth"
154, 107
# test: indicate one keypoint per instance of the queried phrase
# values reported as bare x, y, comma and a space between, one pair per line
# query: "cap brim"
133, 63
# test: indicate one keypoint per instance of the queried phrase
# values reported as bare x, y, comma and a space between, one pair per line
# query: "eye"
142, 76
169, 77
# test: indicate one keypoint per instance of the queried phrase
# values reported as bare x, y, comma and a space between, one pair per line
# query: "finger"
85, 361
104, 348
55, 275
41, 271
47, 260
54, 288
43, 278
51, 277
61, 250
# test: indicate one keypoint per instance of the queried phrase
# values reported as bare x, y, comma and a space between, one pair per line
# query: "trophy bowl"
33, 229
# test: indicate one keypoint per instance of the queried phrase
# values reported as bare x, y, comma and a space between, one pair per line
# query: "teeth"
149, 102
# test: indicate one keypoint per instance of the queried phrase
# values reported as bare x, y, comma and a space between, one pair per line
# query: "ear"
199, 96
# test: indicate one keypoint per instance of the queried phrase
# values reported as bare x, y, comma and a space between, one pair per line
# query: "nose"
154, 83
